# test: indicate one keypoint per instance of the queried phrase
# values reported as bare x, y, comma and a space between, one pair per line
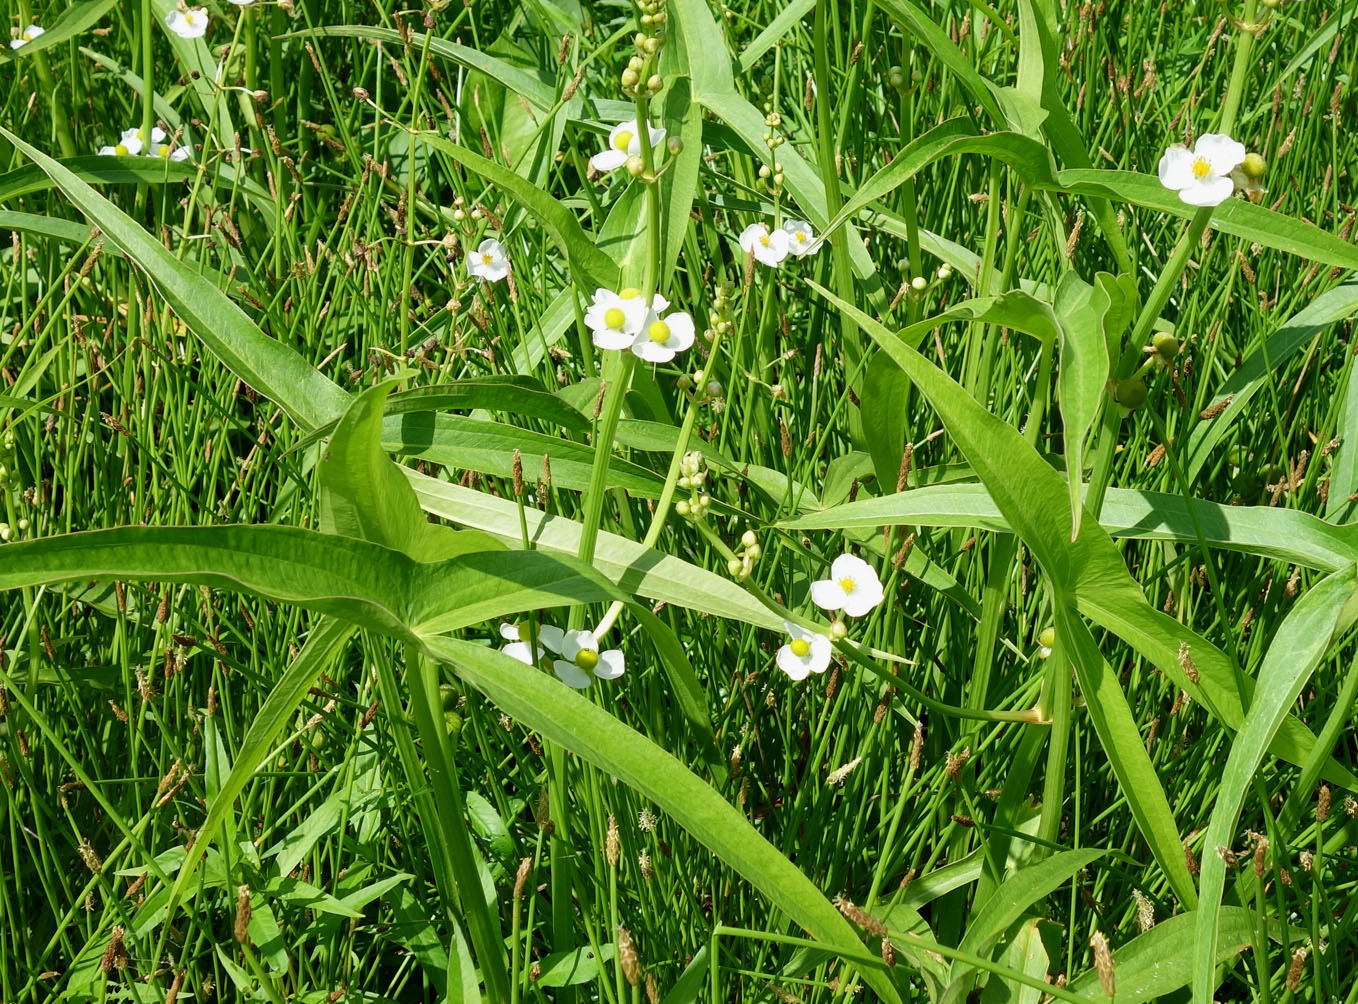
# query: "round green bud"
1165, 344
587, 659
635, 166
629, 78
919, 284
1047, 638
838, 629
945, 272
895, 76
674, 145
681, 507
1254, 166
734, 566
754, 552
1131, 394
655, 83
749, 538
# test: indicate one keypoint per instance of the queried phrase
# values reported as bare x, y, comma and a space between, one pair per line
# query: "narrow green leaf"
1293, 654
74, 21
1082, 310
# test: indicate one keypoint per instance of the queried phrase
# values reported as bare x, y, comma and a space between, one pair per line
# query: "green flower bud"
749, 538
895, 76
1165, 344
838, 630
734, 566
1254, 166
674, 145
1131, 394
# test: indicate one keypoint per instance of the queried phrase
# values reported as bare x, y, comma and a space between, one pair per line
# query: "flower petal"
1176, 168
827, 595
1222, 152
509, 631
610, 665
550, 637
651, 352
1210, 191
788, 661
519, 650
571, 675
608, 160
819, 658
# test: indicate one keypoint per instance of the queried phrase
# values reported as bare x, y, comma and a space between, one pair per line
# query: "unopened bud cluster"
641, 68
693, 478
773, 176
719, 314
750, 552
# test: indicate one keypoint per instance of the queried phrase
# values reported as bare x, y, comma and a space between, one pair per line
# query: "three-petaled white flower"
489, 261
26, 36
242, 3
616, 318
805, 653
852, 587
1201, 176
521, 647
801, 239
768, 247
189, 23
624, 142
133, 141
581, 660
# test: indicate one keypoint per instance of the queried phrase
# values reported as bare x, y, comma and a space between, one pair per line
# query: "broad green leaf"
1237, 217
1283, 534
884, 393
1081, 309
917, 24
1016, 895
66, 231
564, 717
1025, 954
683, 118
1109, 712
462, 443
74, 21
1035, 501
1325, 611
790, 15
96, 170
636, 569
1153, 965
270, 367
512, 395
569, 969
590, 266
1261, 367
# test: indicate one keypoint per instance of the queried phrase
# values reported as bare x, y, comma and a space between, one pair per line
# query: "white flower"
520, 647
663, 337
26, 36
135, 139
623, 143
489, 261
190, 23
167, 152
1201, 176
767, 248
851, 587
616, 318
581, 660
805, 653
801, 239
242, 3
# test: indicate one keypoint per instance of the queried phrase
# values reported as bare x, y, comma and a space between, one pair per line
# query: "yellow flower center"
801, 237
614, 317
120, 150
764, 240
486, 259
164, 151
1201, 167
800, 647
658, 332
623, 140
847, 585
587, 659
630, 293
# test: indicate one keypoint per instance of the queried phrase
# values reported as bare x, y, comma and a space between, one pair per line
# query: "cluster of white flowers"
622, 321
1202, 176
624, 143
188, 23
852, 587
133, 142
29, 33
770, 247
489, 261
581, 661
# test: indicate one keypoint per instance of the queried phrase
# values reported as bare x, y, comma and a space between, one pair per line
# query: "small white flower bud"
945, 271
919, 284
749, 538
635, 166
838, 630
733, 566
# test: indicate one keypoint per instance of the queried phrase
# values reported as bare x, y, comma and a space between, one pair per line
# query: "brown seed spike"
1323, 804
115, 955
1295, 970
627, 957
521, 877
1103, 962
242, 926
